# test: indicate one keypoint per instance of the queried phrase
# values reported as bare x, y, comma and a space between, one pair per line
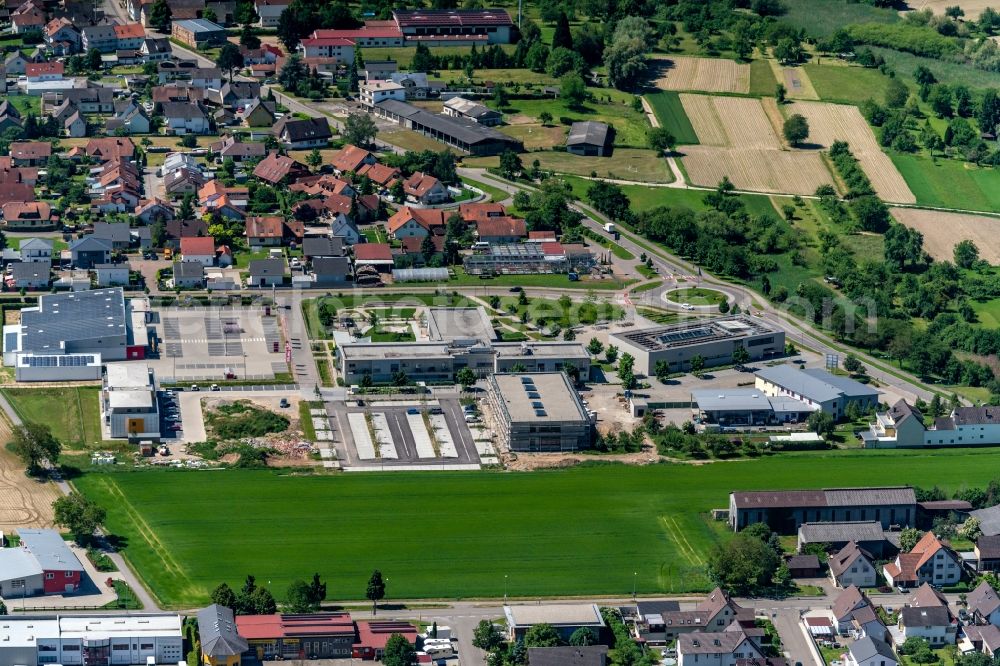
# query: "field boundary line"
146, 532
676, 534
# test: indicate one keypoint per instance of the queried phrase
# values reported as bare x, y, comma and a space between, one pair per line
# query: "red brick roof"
374, 634
257, 627
350, 158
372, 252
30, 150
425, 217
502, 226
360, 33
473, 212
201, 246
420, 184
264, 227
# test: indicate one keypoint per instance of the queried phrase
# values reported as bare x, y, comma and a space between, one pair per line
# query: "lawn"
522, 77
630, 125
624, 163
669, 112
26, 104
762, 81
696, 296
645, 198
849, 85
988, 312
496, 194
536, 136
950, 183
953, 73
76, 422
522, 527
410, 140
404, 54
822, 18
550, 281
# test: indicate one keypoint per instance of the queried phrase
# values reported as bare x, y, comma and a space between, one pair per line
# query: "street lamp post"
635, 578
505, 589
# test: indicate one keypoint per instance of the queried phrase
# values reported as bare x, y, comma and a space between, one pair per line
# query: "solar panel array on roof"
684, 336
74, 360
65, 318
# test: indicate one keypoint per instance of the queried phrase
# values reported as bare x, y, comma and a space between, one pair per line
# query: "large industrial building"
786, 510
712, 339
128, 402
68, 336
461, 133
91, 640
539, 411
42, 564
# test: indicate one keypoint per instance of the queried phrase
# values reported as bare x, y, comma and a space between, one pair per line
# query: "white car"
687, 306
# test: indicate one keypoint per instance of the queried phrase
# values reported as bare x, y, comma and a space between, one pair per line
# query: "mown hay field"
943, 230
838, 122
739, 122
704, 74
756, 169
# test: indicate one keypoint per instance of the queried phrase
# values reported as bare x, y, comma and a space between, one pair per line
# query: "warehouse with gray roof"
786, 510
68, 336
816, 387
462, 133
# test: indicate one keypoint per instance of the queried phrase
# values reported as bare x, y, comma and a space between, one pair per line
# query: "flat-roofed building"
92, 640
743, 407
461, 133
438, 361
785, 511
128, 402
714, 340
68, 336
445, 324
539, 412
564, 618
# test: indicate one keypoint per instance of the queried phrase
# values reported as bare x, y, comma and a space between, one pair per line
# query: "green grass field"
624, 163
496, 194
953, 73
762, 81
696, 296
410, 140
554, 281
950, 183
630, 125
849, 85
72, 413
669, 111
988, 312
560, 532
822, 18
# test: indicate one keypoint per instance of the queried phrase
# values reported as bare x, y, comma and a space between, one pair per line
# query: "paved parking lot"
402, 433
209, 343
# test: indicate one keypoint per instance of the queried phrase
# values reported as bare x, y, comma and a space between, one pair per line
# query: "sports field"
669, 111
574, 531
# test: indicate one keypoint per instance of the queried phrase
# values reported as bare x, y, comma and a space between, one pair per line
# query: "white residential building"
375, 92
722, 648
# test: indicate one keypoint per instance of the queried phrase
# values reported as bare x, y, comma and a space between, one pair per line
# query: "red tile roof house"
474, 212
930, 561
30, 153
374, 634
200, 249
28, 216
416, 222
501, 230
383, 176
277, 169
425, 189
272, 231
350, 158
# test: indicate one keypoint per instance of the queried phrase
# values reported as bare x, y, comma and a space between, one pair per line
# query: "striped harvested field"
704, 74
943, 230
740, 122
838, 122
756, 169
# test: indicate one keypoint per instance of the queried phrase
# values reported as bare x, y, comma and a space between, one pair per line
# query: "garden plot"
362, 437
705, 74
383, 436
446, 444
838, 122
757, 170
943, 230
421, 438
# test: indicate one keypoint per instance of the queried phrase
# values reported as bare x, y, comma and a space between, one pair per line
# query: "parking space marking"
421, 438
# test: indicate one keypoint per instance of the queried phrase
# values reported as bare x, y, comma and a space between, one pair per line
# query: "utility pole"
519, 14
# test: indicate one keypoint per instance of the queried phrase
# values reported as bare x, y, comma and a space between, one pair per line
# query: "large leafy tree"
743, 565
359, 129
159, 16
80, 515
230, 58
376, 590
398, 651
34, 444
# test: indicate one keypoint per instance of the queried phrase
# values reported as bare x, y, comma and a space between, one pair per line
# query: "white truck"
609, 227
